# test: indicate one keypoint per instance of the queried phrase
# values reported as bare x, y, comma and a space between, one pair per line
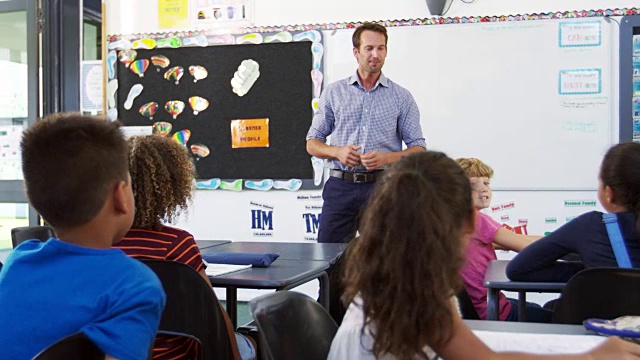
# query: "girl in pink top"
480, 248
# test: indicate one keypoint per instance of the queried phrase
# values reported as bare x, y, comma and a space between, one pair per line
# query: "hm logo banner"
261, 219
312, 221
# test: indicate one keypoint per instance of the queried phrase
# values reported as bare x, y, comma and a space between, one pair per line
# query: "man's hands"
348, 155
374, 160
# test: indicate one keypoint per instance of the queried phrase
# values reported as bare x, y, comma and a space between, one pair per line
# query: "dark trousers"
343, 202
535, 312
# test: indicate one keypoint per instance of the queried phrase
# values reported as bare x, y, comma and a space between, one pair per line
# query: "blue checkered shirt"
378, 120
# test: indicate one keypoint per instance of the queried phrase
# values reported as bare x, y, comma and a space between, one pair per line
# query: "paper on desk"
221, 269
539, 343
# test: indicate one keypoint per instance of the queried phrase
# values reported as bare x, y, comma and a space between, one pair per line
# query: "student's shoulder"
136, 273
179, 233
590, 218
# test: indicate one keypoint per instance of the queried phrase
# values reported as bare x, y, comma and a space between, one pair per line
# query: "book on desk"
221, 269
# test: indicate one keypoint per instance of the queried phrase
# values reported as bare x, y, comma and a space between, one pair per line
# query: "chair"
605, 293
192, 308
22, 234
467, 310
292, 326
76, 346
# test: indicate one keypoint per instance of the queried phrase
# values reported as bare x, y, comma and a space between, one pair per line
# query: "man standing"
368, 117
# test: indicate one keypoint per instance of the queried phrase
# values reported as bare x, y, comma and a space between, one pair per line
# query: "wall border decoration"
394, 23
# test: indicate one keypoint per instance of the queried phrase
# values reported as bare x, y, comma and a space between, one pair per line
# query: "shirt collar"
382, 80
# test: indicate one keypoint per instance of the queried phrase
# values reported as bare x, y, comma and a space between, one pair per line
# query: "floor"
244, 317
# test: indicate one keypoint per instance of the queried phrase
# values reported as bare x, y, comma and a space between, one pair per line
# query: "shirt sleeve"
186, 251
486, 228
323, 120
409, 122
131, 319
537, 261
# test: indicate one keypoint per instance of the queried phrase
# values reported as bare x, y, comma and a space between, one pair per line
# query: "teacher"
368, 117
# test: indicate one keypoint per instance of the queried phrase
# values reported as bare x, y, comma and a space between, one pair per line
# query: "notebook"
221, 269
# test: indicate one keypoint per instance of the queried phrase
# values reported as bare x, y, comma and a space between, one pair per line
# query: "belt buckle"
359, 178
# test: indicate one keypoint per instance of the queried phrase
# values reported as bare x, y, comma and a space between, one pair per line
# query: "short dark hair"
406, 264
162, 174
620, 170
371, 27
70, 162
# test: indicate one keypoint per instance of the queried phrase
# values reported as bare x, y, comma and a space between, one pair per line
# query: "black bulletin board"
282, 93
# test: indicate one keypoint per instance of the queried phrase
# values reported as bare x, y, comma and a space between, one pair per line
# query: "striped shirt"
167, 244
377, 120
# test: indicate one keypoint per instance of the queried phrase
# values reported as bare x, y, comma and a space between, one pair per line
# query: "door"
19, 108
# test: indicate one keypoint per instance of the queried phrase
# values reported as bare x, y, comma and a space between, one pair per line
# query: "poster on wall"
223, 13
10, 155
91, 86
13, 98
173, 14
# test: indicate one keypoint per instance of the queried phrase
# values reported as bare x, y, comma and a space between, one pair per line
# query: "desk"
529, 328
534, 338
281, 275
286, 250
205, 244
496, 279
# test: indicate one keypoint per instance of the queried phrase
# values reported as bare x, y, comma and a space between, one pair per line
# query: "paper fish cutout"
145, 43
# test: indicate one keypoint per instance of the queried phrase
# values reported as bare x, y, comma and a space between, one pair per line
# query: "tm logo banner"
312, 221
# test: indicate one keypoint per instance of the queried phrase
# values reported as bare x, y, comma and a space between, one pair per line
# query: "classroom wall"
124, 18
291, 216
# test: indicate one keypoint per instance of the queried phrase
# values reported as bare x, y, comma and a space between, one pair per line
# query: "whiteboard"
531, 99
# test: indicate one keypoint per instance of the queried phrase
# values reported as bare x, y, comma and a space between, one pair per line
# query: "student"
403, 271
586, 235
162, 174
76, 177
480, 248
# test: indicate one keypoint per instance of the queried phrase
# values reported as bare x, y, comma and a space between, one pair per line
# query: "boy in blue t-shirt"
76, 176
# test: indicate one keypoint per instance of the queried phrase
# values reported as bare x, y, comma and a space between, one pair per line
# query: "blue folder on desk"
238, 258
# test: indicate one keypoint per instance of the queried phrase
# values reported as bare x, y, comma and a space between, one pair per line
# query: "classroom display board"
531, 99
242, 110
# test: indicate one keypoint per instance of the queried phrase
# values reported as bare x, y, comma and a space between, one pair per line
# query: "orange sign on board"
249, 133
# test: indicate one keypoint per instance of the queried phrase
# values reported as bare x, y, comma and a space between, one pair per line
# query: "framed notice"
250, 133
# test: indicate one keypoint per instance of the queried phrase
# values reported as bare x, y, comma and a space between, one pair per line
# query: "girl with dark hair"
402, 273
162, 178
586, 235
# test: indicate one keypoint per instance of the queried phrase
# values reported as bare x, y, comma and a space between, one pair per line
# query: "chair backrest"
604, 293
467, 310
192, 308
292, 326
22, 234
76, 346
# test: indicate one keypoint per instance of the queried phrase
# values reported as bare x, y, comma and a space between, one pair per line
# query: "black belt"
356, 177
